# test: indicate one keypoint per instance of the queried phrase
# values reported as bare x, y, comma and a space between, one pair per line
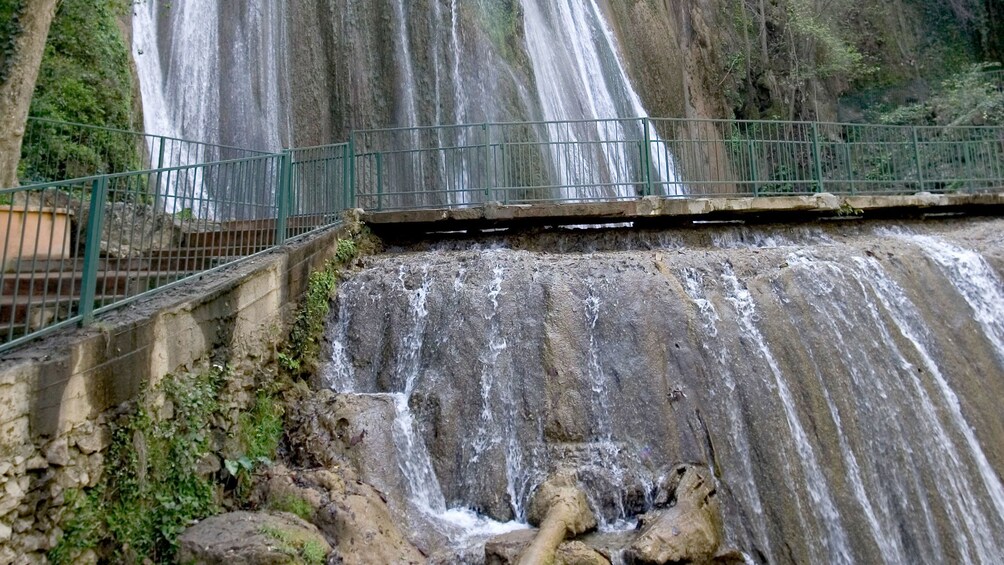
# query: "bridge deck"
674, 211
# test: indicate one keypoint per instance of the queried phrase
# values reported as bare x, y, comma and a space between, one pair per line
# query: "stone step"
68, 284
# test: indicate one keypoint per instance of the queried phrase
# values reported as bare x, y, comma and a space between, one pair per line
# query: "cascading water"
213, 73
580, 76
839, 419
229, 74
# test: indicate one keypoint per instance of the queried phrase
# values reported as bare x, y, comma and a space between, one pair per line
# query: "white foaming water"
911, 325
594, 369
414, 461
874, 501
975, 280
830, 526
580, 76
746, 484
404, 60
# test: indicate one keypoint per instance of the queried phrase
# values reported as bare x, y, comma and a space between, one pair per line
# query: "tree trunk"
19, 71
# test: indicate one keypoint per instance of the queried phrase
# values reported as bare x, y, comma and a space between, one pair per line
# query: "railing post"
379, 167
346, 158
817, 158
350, 189
505, 173
282, 196
753, 172
916, 155
160, 166
92, 250
488, 162
648, 157
850, 167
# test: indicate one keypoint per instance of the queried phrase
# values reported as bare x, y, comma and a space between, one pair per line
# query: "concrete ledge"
669, 210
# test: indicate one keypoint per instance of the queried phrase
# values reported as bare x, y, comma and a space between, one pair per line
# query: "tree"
23, 46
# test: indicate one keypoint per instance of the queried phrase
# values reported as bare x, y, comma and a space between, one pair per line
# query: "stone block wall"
57, 395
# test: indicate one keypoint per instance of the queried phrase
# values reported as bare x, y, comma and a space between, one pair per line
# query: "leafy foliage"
973, 97
84, 78
150, 490
299, 354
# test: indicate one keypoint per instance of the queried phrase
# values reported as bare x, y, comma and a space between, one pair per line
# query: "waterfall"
213, 73
830, 527
581, 76
224, 73
793, 363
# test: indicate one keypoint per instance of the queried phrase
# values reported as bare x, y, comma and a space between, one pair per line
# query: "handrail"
82, 246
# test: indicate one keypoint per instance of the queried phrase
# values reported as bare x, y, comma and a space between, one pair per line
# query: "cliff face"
832, 380
308, 72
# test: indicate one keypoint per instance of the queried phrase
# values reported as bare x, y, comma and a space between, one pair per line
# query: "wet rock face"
828, 377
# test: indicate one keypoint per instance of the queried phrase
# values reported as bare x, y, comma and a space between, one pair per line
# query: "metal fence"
175, 208
579, 161
53, 150
76, 248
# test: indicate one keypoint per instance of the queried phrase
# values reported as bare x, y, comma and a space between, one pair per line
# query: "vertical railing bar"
920, 165
281, 198
95, 222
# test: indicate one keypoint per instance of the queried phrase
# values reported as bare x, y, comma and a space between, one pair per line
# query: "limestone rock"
58, 452
255, 538
688, 532
561, 490
348, 511
561, 510
506, 548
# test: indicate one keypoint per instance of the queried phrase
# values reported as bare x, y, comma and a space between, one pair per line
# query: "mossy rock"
254, 538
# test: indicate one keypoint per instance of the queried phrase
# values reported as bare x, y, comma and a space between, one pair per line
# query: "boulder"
347, 511
560, 509
505, 549
690, 530
254, 538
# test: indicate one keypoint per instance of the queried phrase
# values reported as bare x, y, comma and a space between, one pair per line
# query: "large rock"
561, 510
506, 549
689, 531
253, 538
351, 513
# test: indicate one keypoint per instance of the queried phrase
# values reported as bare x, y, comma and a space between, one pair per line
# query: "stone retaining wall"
57, 395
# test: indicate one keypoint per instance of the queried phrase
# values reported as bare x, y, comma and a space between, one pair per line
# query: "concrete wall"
56, 394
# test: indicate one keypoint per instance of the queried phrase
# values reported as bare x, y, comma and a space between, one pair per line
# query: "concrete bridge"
654, 211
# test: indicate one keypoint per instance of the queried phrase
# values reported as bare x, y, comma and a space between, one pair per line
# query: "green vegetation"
309, 550
503, 24
259, 432
292, 504
299, 354
150, 490
793, 59
972, 97
85, 78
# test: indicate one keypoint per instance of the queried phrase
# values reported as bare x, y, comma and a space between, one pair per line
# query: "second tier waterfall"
832, 381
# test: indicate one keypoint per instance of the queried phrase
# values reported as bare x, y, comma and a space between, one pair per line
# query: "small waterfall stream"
795, 365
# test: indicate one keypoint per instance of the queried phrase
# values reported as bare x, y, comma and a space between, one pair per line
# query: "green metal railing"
54, 150
76, 248
628, 158
177, 209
